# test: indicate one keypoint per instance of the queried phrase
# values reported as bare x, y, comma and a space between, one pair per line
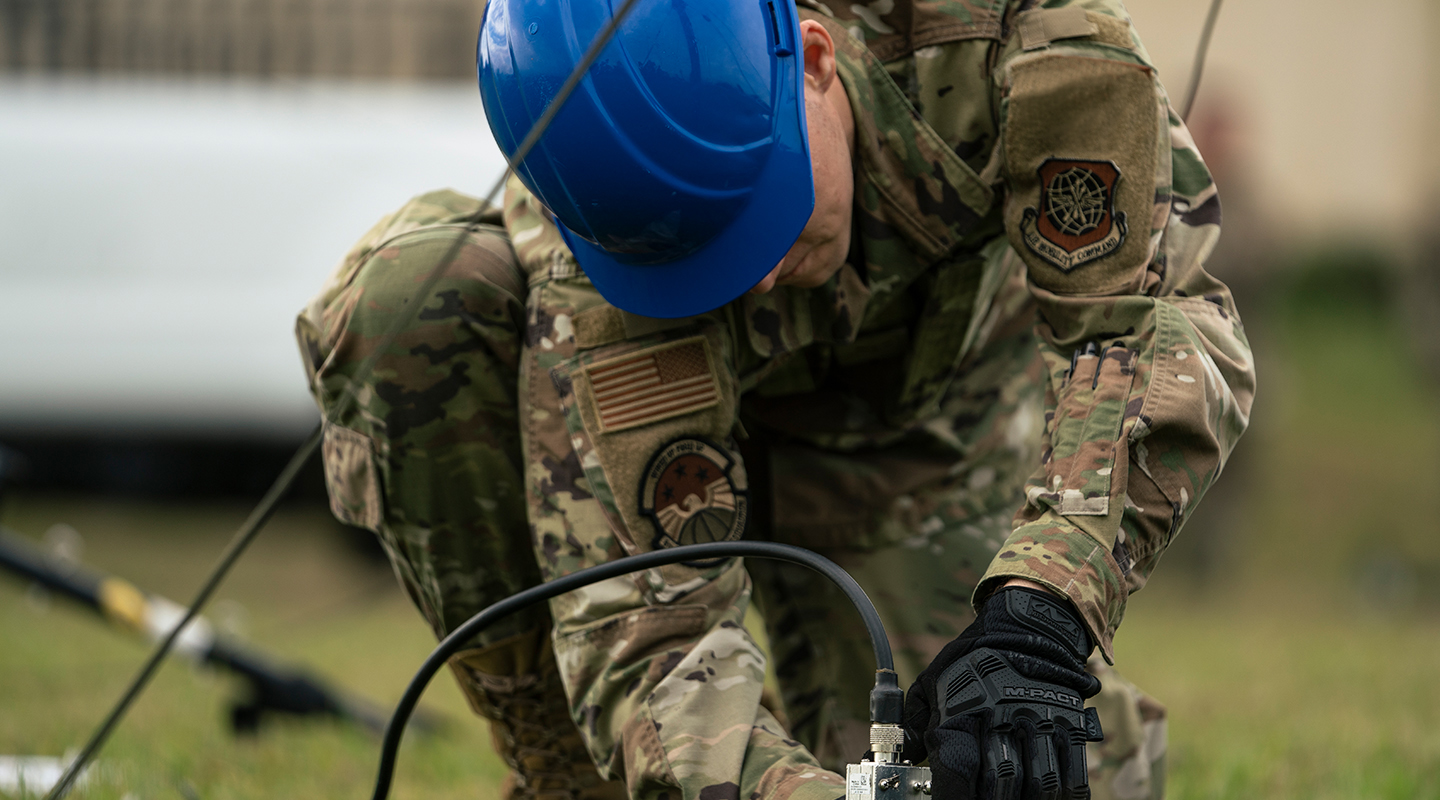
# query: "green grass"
1305, 664
307, 598
1281, 696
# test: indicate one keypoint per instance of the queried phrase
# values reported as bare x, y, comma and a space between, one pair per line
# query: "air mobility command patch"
694, 492
1076, 222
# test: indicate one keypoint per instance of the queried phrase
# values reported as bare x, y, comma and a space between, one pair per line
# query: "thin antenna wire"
1198, 68
263, 511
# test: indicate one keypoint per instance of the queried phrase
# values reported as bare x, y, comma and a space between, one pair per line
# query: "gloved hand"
1000, 711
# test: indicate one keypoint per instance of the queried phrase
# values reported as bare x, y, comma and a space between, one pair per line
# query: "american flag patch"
651, 385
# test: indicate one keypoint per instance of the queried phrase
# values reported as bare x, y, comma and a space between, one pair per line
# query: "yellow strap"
123, 603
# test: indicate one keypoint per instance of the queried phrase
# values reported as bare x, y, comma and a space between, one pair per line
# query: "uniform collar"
915, 201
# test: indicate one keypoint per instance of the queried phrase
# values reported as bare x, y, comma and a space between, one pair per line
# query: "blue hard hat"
679, 169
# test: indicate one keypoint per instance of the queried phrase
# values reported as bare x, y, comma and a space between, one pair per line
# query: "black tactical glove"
1000, 712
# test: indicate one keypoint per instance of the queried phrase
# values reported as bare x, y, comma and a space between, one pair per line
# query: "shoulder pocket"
1083, 167
630, 405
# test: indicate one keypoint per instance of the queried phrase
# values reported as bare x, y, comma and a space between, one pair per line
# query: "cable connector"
887, 699
886, 742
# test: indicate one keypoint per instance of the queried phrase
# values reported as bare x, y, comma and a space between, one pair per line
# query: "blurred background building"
178, 178
361, 39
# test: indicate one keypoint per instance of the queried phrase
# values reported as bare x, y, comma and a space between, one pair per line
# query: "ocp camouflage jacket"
974, 120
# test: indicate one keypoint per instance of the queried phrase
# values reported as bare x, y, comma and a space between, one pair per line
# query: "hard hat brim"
731, 263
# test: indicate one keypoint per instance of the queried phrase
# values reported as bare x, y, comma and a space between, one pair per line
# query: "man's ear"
819, 51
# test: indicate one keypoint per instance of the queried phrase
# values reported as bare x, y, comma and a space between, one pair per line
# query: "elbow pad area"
1083, 155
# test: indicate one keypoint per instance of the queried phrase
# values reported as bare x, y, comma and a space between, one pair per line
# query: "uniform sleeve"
627, 436
1150, 377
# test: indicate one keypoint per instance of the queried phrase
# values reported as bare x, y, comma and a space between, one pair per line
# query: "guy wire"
266, 507
1198, 68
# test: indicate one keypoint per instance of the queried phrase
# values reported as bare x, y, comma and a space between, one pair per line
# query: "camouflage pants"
447, 502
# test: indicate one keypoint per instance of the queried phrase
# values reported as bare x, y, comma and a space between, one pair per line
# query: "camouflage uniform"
1024, 323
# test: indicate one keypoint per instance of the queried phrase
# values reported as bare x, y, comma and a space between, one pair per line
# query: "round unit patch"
695, 492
